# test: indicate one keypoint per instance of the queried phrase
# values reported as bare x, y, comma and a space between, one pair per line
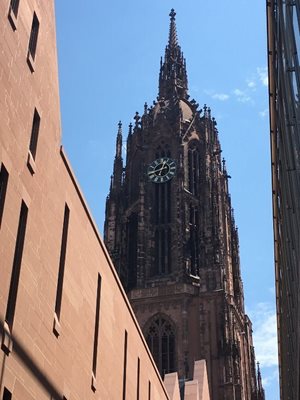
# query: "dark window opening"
163, 203
149, 390
162, 251
3, 187
15, 276
157, 203
96, 330
160, 337
34, 35
194, 241
169, 255
6, 394
138, 380
62, 260
14, 6
194, 169
134, 180
162, 209
125, 365
162, 219
132, 236
34, 133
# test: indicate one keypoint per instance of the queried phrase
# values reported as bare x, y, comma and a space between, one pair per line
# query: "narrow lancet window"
14, 7
162, 217
194, 169
132, 234
34, 133
15, 276
138, 379
6, 394
3, 187
13, 13
96, 330
33, 36
163, 250
62, 260
194, 240
125, 365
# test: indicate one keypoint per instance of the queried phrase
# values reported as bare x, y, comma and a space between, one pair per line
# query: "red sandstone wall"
41, 364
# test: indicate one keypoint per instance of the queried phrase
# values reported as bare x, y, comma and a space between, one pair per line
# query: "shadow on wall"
30, 364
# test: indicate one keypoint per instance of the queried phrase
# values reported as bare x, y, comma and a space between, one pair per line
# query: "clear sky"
108, 55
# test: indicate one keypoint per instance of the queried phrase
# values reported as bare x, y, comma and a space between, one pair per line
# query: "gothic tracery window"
160, 337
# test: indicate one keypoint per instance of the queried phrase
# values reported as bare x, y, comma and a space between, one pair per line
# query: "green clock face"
161, 170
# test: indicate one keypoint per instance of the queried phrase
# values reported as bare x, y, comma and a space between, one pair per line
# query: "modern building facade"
67, 330
171, 233
284, 85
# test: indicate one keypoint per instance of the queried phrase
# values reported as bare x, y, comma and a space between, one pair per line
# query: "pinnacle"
172, 14
172, 34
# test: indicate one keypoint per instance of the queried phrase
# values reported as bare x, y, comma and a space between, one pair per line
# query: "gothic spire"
118, 163
172, 32
173, 76
119, 141
260, 389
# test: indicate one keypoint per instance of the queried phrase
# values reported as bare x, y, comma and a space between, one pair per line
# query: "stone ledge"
56, 326
30, 62
163, 291
12, 19
7, 341
31, 163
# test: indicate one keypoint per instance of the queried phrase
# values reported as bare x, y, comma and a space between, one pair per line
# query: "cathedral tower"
171, 233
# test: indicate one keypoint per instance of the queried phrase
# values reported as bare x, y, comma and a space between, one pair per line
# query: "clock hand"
161, 169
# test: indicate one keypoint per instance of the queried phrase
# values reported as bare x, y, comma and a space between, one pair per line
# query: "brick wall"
47, 354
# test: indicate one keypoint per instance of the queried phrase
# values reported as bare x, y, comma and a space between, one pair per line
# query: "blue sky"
108, 55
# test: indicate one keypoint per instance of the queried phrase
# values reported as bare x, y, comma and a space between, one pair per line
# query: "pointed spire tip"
172, 14
172, 33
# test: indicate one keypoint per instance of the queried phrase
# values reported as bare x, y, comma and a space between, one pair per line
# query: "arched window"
160, 337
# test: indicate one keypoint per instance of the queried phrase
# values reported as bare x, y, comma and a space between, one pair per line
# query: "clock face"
161, 170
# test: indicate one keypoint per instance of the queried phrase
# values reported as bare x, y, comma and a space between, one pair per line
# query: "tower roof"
173, 76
